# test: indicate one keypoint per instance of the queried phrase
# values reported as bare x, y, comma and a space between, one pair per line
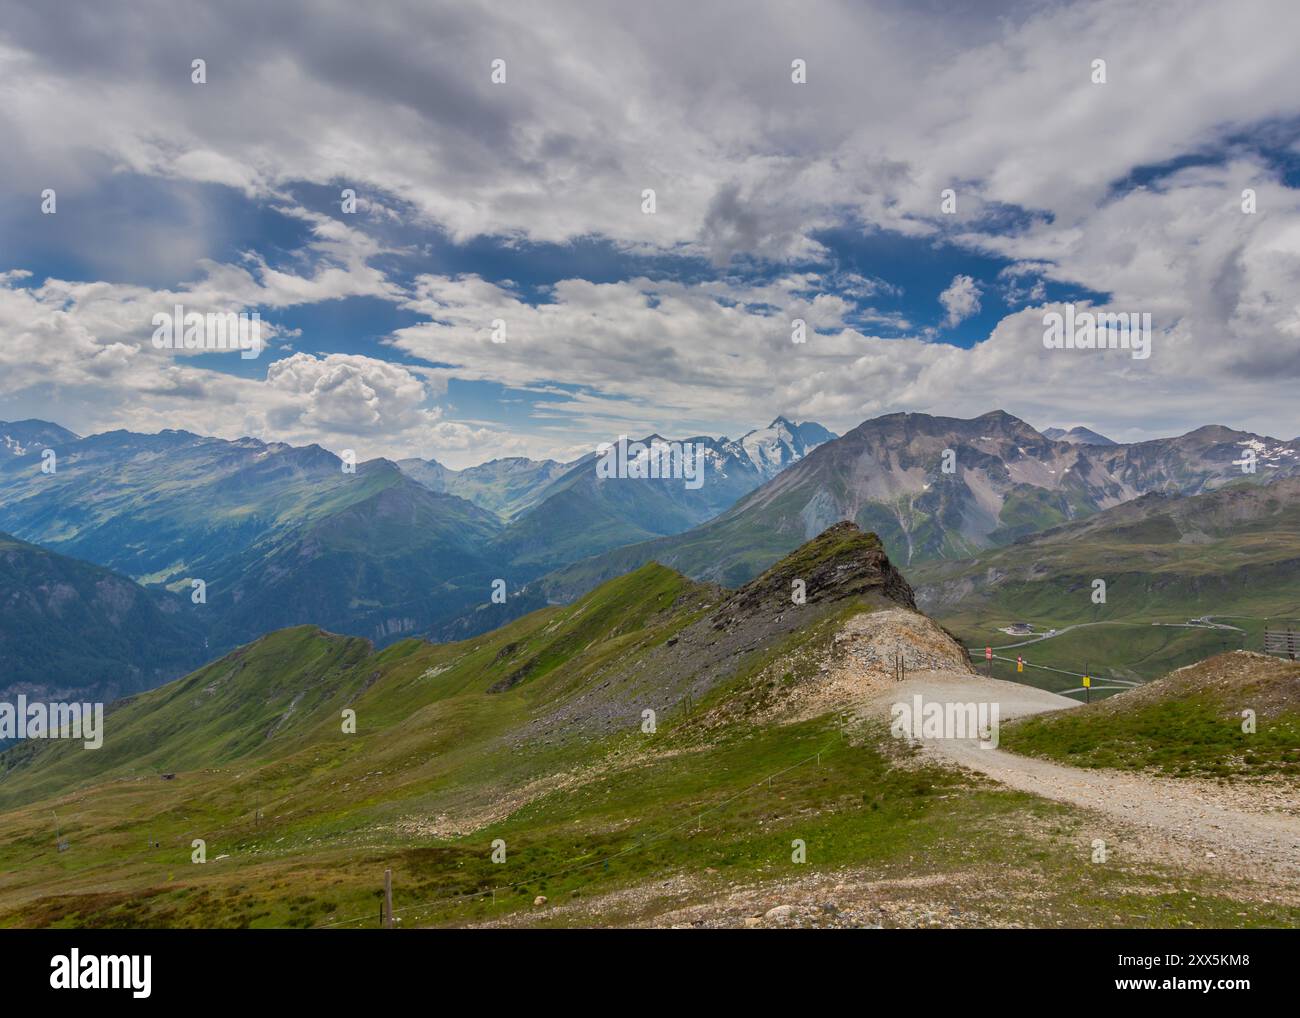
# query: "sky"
799, 157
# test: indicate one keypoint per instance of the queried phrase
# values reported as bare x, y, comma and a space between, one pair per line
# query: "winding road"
1187, 812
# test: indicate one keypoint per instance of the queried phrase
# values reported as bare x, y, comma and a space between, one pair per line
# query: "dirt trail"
1188, 812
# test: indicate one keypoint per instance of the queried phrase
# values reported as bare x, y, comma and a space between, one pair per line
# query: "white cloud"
346, 394
599, 105
960, 300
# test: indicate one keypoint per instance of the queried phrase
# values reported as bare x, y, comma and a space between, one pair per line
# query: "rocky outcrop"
840, 563
844, 571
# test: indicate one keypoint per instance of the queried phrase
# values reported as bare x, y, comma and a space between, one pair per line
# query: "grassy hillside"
1187, 723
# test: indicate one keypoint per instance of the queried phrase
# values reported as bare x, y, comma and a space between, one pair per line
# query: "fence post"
388, 899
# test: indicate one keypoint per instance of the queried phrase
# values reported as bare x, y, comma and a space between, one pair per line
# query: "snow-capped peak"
781, 443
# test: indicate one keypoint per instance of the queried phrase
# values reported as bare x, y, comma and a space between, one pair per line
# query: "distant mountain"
502, 486
888, 475
73, 631
580, 514
432, 474
396, 560
1077, 436
27, 438
511, 486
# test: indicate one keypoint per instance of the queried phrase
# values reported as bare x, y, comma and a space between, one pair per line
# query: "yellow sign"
1087, 682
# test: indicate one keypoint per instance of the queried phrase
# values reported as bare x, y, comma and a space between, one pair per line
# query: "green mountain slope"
634, 633
1189, 722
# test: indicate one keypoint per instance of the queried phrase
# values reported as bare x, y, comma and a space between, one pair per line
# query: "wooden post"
388, 899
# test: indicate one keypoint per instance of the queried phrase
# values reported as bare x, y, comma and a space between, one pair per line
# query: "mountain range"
511, 486
941, 487
278, 535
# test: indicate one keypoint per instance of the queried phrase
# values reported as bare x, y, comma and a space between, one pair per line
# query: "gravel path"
1188, 812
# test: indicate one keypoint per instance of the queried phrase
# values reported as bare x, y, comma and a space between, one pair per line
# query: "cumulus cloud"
960, 300
346, 394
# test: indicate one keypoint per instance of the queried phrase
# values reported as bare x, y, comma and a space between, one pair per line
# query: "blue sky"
522, 201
